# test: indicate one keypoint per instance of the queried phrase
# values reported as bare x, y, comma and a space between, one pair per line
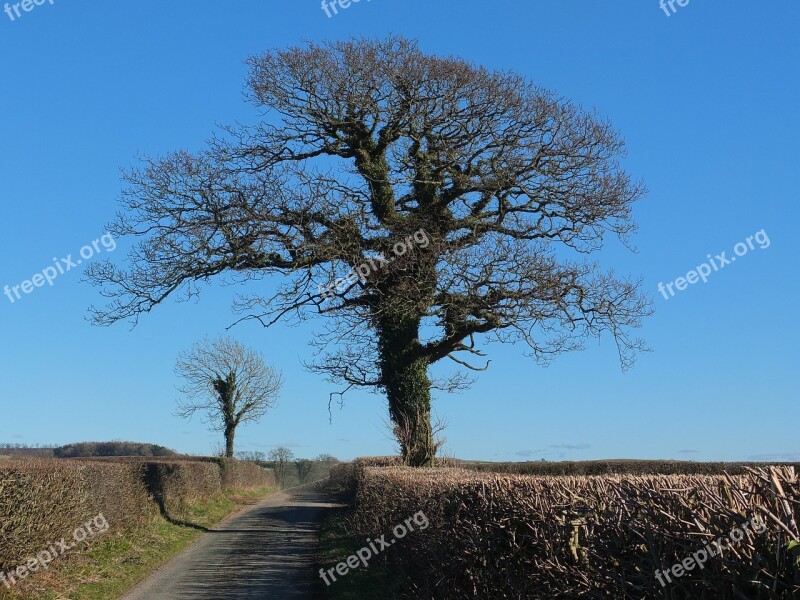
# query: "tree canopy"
364, 144
228, 384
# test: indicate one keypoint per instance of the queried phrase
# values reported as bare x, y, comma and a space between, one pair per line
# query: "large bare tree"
362, 145
227, 382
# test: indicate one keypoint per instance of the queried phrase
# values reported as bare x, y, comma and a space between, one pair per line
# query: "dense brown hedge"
42, 501
578, 468
346, 475
618, 467
243, 474
582, 537
175, 482
173, 485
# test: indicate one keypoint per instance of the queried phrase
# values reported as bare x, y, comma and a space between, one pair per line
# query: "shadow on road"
268, 551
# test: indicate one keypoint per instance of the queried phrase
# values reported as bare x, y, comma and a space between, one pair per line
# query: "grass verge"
118, 561
373, 583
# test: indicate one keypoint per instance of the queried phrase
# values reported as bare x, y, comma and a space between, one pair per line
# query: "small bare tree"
303, 466
281, 457
251, 456
227, 382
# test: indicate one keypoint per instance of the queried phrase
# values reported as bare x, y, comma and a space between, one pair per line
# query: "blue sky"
706, 99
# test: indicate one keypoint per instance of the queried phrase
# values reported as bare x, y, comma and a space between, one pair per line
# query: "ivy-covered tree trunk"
230, 434
226, 389
409, 392
408, 388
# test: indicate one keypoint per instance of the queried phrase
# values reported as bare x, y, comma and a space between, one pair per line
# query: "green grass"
373, 583
242, 496
116, 562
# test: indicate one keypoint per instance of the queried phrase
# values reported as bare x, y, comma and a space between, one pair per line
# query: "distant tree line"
10, 445
88, 449
290, 470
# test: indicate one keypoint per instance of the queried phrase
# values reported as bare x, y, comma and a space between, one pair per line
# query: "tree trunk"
230, 434
409, 392
226, 390
408, 389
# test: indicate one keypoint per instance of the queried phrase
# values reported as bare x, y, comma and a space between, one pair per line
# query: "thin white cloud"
778, 457
553, 451
571, 446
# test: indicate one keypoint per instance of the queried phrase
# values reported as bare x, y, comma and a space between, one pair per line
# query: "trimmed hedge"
173, 485
619, 467
582, 537
578, 468
42, 501
243, 474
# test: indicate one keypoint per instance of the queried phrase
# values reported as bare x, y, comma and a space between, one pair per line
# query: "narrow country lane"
266, 551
